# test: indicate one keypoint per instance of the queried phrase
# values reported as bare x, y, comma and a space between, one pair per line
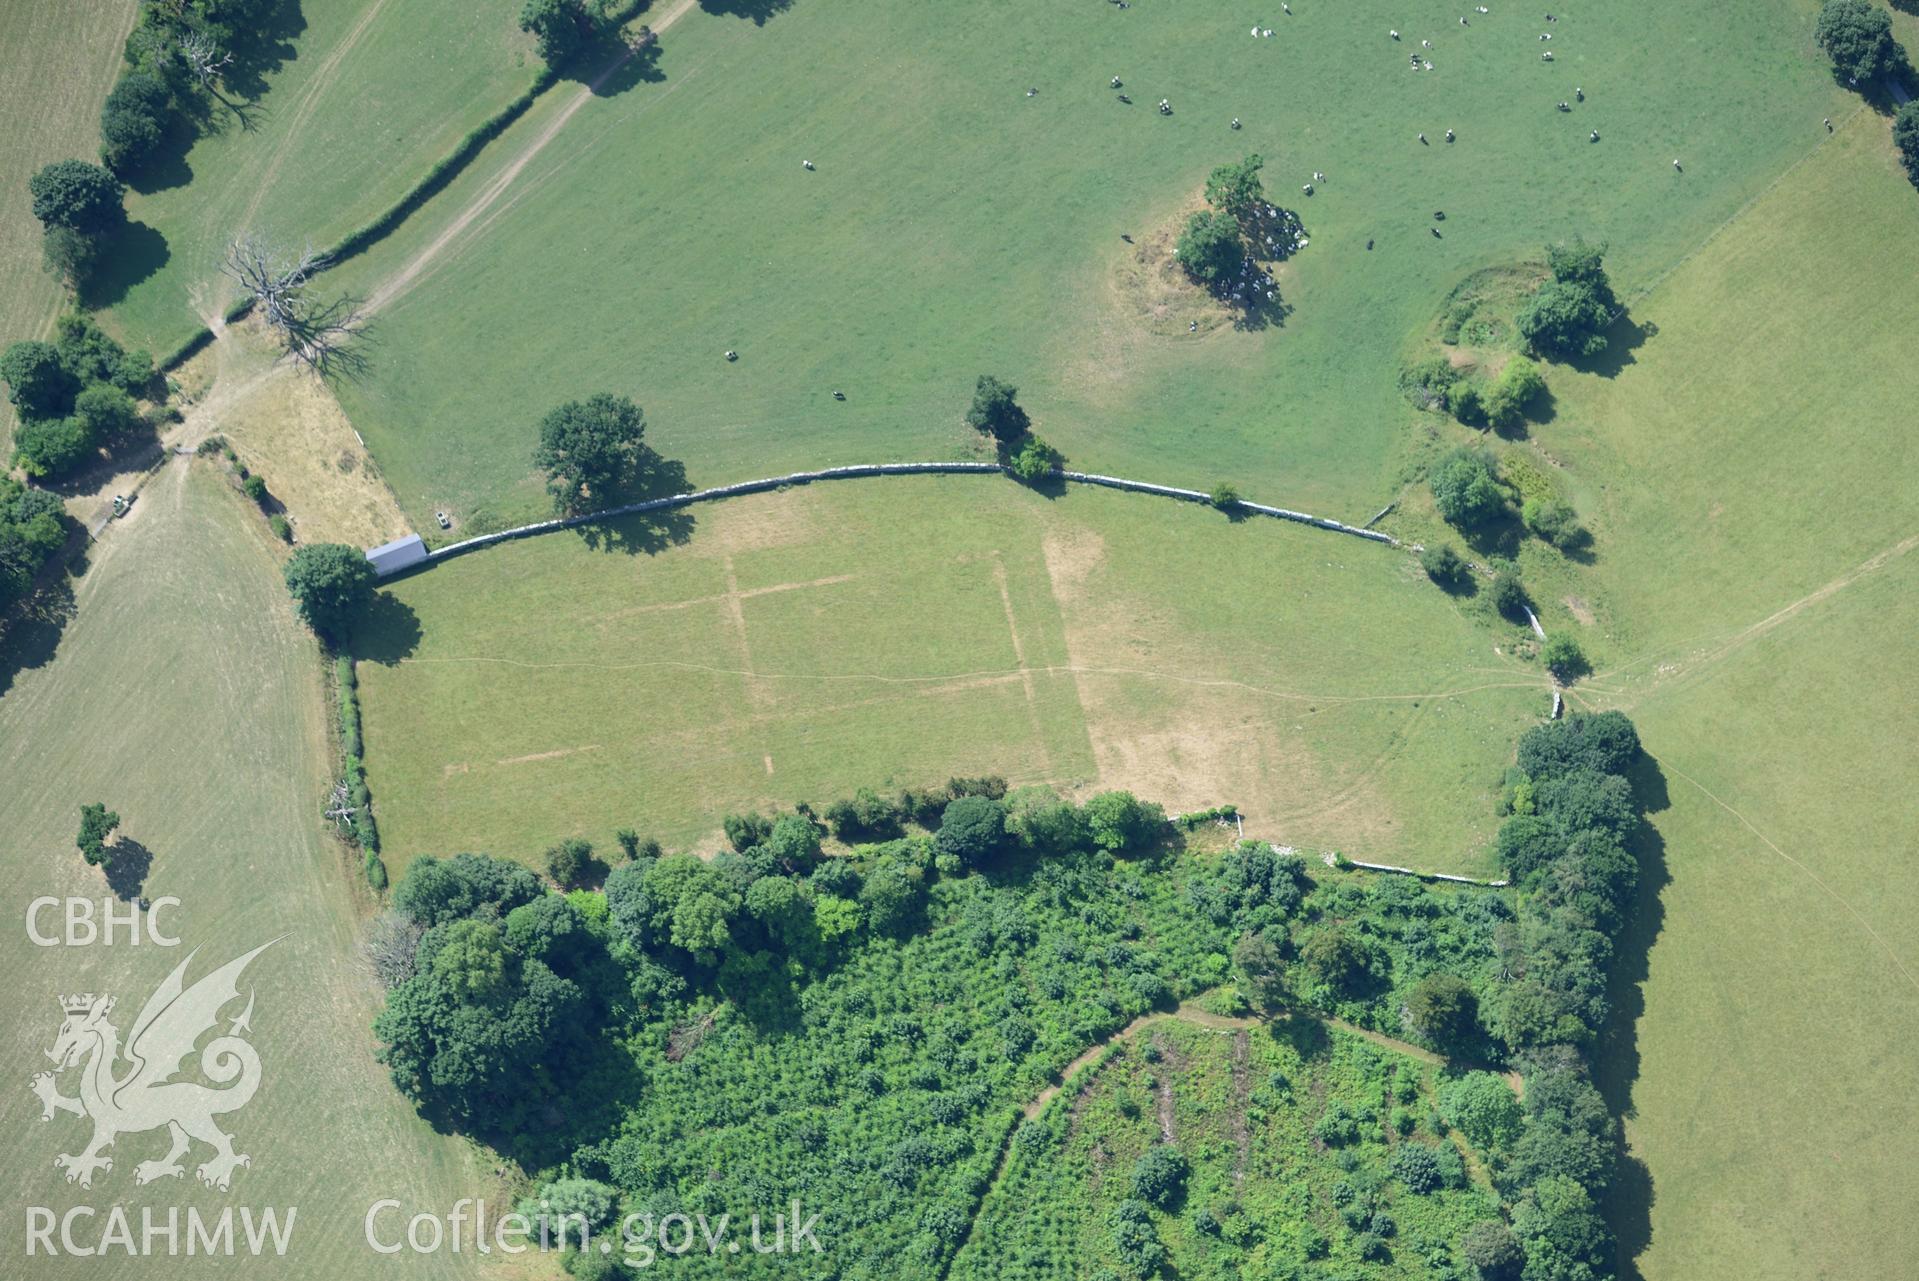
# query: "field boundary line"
1645, 290
860, 471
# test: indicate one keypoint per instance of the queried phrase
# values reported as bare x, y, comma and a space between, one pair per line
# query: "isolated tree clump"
1211, 248
1507, 594
1563, 658
97, 823
1466, 489
1569, 315
1444, 565
1160, 1176
996, 411
1857, 36
588, 448
331, 584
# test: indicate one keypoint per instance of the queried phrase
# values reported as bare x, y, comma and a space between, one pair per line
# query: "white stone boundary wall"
675, 501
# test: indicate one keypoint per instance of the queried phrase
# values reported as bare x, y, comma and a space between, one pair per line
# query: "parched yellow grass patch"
285, 424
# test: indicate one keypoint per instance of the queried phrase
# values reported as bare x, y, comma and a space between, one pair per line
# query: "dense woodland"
860, 1029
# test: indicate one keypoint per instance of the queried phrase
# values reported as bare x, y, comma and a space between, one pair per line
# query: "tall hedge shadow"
1615, 1061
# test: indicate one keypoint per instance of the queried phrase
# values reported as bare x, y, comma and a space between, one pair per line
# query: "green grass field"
185, 696
369, 94
543, 688
955, 226
57, 61
1745, 475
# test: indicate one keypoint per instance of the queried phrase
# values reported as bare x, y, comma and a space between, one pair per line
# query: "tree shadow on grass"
127, 871
1624, 338
646, 533
758, 12
616, 62
1308, 1037
137, 252
1615, 1061
262, 51
30, 636
387, 632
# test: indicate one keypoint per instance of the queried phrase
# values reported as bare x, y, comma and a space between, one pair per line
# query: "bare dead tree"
391, 946
318, 335
203, 56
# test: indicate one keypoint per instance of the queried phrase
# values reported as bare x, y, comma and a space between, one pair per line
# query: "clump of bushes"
1225, 496
73, 395
1504, 403
1553, 520
1445, 566
1570, 314
1429, 383
1035, 460
364, 830
1467, 490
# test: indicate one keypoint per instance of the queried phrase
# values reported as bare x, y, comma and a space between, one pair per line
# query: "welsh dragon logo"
129, 1090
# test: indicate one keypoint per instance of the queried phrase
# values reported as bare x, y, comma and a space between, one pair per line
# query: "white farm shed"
401, 553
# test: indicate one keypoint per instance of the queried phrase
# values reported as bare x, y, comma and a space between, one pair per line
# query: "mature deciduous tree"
1857, 36
996, 411
332, 584
588, 448
1211, 248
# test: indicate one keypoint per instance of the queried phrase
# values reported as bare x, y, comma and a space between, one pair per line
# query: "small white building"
401, 553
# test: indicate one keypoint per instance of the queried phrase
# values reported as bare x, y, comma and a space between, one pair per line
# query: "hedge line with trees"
33, 526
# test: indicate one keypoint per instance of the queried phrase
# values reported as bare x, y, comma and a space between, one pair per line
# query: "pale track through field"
324, 78
1724, 645
1050, 669
408, 275
1812, 876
